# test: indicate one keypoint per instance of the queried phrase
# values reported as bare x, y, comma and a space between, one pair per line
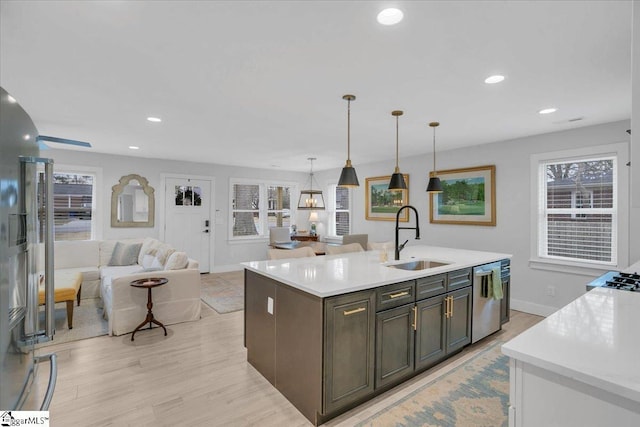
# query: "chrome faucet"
417, 228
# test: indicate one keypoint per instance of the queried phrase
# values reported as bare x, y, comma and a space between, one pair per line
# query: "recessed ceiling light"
11, 99
390, 16
154, 119
547, 110
133, 147
494, 79
27, 137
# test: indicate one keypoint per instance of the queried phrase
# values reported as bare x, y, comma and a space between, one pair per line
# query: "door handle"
205, 231
415, 317
451, 306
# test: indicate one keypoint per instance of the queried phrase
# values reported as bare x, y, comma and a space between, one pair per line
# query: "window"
340, 210
73, 196
579, 207
258, 206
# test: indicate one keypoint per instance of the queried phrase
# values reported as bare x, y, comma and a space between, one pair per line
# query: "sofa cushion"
177, 261
125, 254
149, 247
76, 253
107, 246
119, 271
163, 252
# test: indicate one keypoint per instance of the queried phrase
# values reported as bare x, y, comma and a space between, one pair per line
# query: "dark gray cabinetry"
418, 335
458, 319
505, 306
349, 349
431, 343
394, 344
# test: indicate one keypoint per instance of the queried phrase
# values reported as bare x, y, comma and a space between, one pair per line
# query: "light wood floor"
197, 375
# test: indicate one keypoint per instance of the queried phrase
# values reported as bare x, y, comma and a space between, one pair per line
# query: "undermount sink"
422, 264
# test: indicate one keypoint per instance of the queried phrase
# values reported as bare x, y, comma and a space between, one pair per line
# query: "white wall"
635, 136
226, 254
512, 232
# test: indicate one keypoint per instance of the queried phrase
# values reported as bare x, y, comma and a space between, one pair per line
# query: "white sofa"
124, 305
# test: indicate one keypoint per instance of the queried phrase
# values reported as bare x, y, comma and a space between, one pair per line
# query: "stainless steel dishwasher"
486, 310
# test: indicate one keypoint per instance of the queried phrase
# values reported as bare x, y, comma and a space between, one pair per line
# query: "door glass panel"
187, 195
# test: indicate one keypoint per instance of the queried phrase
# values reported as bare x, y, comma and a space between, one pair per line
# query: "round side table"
149, 284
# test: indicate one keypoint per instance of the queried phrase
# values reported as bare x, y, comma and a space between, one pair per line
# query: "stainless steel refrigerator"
26, 221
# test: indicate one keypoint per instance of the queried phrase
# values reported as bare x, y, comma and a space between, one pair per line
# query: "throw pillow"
156, 264
149, 247
125, 254
147, 260
177, 261
163, 253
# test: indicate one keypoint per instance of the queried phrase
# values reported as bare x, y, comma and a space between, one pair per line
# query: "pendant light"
348, 177
397, 180
434, 186
311, 199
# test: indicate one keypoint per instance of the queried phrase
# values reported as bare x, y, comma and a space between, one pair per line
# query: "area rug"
475, 393
87, 322
224, 292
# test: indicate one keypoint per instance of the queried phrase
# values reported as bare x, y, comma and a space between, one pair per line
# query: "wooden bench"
67, 288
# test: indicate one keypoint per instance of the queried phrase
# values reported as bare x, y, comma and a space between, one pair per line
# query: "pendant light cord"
434, 150
397, 143
348, 130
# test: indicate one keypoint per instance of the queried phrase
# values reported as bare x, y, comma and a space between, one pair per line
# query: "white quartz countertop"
330, 275
594, 340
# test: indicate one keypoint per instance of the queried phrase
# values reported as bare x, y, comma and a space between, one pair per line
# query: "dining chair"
279, 235
290, 253
379, 246
343, 249
362, 239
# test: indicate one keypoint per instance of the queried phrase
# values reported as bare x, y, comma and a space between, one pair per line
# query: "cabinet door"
430, 336
504, 302
349, 349
459, 321
394, 344
260, 325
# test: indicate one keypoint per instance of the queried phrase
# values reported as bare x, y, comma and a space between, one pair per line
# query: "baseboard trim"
532, 308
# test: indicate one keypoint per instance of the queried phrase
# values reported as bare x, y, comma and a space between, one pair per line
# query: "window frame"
620, 239
96, 193
263, 206
332, 210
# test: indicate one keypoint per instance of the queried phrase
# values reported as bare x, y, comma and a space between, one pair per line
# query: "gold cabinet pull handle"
399, 294
415, 318
451, 306
354, 311
447, 314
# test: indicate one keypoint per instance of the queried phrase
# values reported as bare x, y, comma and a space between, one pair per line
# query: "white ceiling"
260, 83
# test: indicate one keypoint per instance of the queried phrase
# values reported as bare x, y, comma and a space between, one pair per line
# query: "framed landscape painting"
468, 197
382, 203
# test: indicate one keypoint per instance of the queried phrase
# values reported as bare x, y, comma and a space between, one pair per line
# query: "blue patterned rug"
224, 292
475, 393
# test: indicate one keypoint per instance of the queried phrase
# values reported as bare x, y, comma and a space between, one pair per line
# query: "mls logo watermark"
24, 418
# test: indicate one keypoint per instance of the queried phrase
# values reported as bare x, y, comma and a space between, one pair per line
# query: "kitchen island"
332, 332
579, 366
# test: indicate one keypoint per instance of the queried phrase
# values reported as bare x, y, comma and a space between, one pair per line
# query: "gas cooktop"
617, 280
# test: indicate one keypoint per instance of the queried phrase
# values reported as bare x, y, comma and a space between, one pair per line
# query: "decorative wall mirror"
132, 202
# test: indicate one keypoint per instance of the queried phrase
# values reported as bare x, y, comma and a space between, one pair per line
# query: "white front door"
187, 225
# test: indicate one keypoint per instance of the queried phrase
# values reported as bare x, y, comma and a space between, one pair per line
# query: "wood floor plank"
197, 375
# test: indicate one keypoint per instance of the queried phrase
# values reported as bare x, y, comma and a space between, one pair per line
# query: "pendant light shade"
311, 199
348, 177
434, 186
397, 180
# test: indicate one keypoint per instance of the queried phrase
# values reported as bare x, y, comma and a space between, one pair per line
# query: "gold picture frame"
382, 204
468, 197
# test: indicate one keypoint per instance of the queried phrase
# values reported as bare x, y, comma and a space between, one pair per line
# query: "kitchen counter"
326, 276
331, 332
585, 355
